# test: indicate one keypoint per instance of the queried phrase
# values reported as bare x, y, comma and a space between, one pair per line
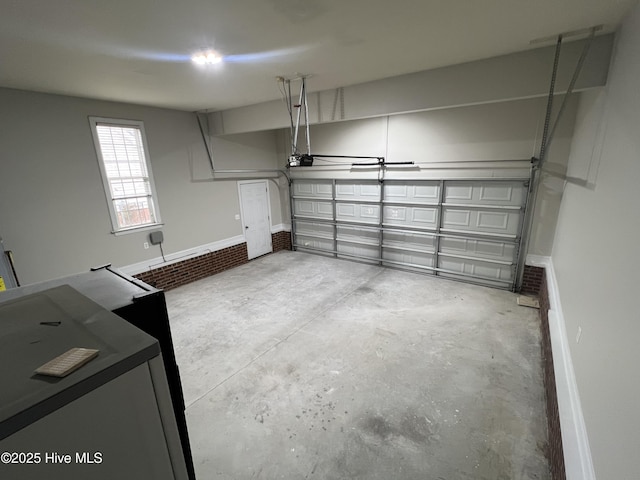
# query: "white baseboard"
575, 442
282, 227
158, 262
171, 258
538, 260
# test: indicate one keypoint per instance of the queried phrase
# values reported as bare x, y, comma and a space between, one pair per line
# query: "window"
124, 163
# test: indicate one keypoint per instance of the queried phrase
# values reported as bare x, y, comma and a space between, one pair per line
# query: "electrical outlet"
146, 245
578, 334
237, 216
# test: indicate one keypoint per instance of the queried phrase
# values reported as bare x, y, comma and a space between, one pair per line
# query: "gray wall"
595, 255
480, 133
53, 211
508, 77
491, 109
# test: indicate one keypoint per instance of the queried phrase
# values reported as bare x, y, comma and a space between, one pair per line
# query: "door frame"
242, 215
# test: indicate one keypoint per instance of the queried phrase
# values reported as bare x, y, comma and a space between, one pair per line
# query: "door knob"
246, 227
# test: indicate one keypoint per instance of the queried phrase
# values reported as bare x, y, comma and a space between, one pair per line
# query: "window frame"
138, 124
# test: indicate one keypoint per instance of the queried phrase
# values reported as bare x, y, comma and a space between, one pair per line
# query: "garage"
336, 240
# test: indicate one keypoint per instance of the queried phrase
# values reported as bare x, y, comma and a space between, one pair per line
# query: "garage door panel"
367, 251
313, 188
314, 229
313, 209
361, 235
412, 217
493, 220
480, 281
485, 193
458, 193
410, 241
457, 219
490, 250
481, 221
407, 257
395, 214
497, 193
358, 191
355, 212
314, 242
405, 192
476, 268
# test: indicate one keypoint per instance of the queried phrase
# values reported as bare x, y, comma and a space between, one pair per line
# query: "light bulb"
209, 57
213, 58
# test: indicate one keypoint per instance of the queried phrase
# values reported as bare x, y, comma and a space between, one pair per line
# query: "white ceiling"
138, 51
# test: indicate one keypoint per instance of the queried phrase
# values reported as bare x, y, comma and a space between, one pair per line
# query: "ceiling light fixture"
209, 57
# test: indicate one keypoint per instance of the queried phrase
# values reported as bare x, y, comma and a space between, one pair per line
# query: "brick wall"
281, 241
556, 454
195, 268
202, 266
532, 279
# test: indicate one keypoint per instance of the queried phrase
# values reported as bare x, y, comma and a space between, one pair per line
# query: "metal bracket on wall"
241, 173
335, 223
547, 137
436, 255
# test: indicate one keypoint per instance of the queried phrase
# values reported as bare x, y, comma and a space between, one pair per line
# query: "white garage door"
463, 229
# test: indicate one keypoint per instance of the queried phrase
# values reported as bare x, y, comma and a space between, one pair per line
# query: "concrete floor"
298, 366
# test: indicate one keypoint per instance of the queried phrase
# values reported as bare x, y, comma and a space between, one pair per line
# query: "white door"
256, 221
